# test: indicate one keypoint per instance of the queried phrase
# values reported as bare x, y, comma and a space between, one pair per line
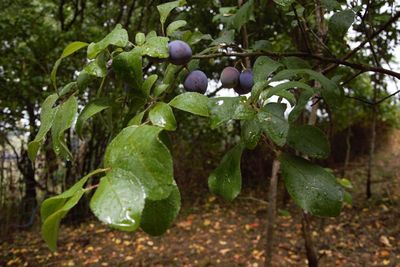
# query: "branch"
129, 15
386, 97
12, 147
61, 14
352, 78
362, 44
121, 11
372, 103
245, 40
76, 13
336, 61
255, 199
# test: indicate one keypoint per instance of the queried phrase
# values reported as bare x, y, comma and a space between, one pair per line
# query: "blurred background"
365, 140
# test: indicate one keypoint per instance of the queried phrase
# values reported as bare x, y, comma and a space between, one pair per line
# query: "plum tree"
196, 81
245, 82
180, 52
138, 159
230, 77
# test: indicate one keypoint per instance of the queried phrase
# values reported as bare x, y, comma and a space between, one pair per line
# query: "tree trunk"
29, 201
368, 190
271, 216
309, 244
348, 151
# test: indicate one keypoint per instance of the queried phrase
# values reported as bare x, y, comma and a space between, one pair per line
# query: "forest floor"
216, 233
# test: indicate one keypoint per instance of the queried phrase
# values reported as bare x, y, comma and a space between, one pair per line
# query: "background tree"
236, 38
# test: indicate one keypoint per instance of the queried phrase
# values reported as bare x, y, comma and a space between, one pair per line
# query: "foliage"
139, 186
129, 94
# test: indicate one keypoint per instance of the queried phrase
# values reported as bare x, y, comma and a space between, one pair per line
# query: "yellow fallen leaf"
384, 240
206, 222
224, 251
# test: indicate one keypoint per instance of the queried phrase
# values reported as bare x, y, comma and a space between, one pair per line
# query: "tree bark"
271, 216
309, 244
348, 151
29, 201
368, 190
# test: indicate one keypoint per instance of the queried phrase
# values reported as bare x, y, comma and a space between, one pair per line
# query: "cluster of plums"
240, 82
180, 53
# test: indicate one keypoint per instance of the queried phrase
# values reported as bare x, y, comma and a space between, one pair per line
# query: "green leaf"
312, 188
161, 115
69, 50
330, 92
137, 120
91, 109
52, 223
166, 8
117, 37
273, 123
148, 83
62, 121
281, 93
119, 200
191, 102
83, 80
243, 15
340, 23
223, 109
128, 66
194, 37
243, 111
261, 45
151, 34
226, 37
68, 89
346, 183
160, 88
139, 150
331, 5
309, 140
347, 198
156, 47
72, 48
302, 101
284, 3
98, 67
47, 115
55, 208
250, 132
170, 74
140, 38
158, 215
263, 67
256, 91
295, 63
287, 85
174, 26
226, 179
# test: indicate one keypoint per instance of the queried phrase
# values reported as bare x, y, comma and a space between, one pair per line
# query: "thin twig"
363, 43
337, 61
255, 199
